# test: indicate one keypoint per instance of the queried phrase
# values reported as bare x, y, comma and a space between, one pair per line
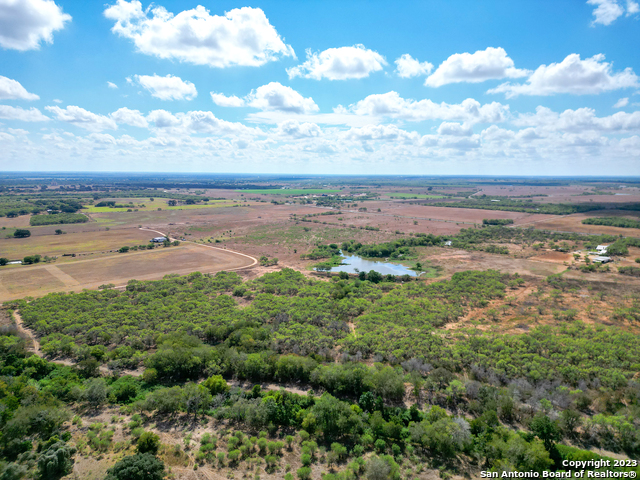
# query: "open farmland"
83, 242
21, 221
449, 214
573, 223
145, 205
576, 194
612, 199
38, 280
568, 326
217, 217
515, 190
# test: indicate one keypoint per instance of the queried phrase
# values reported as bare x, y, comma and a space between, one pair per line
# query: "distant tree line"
612, 222
57, 218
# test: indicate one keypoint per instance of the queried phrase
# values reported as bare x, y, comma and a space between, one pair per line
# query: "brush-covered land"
390, 388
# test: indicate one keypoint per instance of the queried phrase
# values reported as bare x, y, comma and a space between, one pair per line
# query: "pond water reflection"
355, 264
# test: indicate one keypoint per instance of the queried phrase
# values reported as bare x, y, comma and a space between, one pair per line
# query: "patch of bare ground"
539, 303
454, 260
297, 388
553, 257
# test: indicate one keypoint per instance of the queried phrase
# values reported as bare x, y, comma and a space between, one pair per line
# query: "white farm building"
158, 239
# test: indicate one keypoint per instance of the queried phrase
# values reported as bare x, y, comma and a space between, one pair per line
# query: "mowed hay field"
69, 243
223, 216
15, 222
38, 280
144, 204
17, 282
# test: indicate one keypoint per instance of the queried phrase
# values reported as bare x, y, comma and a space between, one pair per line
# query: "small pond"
355, 264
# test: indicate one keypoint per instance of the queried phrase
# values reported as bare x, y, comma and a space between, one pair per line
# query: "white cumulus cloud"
163, 119
606, 11
186, 123
579, 121
295, 129
381, 133
16, 113
207, 122
489, 64
623, 102
573, 75
391, 104
407, 67
26, 23
12, 90
83, 118
129, 117
632, 7
168, 87
455, 129
339, 64
242, 36
102, 138
277, 97
224, 101
112, 85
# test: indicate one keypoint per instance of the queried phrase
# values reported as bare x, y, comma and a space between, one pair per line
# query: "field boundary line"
65, 278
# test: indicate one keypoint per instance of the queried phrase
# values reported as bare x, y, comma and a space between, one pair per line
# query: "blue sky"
428, 87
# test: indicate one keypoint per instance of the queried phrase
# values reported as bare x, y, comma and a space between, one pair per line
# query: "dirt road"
27, 332
253, 259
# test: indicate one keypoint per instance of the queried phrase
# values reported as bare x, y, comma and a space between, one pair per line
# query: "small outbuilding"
602, 249
601, 259
158, 239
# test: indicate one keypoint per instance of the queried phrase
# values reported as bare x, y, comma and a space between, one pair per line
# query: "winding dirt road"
253, 259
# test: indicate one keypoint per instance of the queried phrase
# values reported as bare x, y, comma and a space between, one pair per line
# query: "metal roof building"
601, 259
